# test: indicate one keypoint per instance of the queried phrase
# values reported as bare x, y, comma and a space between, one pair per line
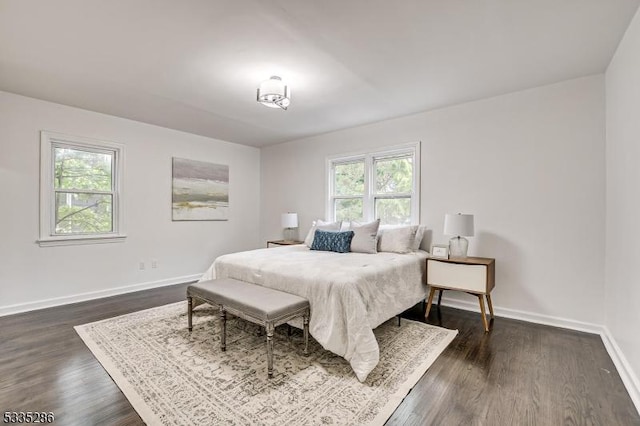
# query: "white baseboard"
630, 380
627, 375
527, 316
82, 297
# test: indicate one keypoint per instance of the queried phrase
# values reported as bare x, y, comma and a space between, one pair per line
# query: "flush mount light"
273, 93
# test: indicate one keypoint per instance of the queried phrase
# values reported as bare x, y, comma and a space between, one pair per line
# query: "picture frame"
440, 251
200, 190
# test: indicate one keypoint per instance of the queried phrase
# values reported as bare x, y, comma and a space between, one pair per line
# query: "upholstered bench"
257, 304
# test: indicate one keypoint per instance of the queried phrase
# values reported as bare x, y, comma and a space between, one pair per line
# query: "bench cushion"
261, 302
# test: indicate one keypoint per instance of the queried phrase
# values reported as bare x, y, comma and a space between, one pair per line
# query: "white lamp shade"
458, 224
289, 220
273, 93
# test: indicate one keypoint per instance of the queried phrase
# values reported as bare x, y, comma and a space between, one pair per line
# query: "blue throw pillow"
332, 241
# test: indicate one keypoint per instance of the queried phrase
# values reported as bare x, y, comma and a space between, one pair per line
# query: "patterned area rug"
174, 377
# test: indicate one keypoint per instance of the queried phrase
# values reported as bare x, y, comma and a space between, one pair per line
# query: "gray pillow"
365, 238
419, 237
397, 240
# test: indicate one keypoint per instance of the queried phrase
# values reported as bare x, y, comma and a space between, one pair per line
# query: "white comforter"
350, 293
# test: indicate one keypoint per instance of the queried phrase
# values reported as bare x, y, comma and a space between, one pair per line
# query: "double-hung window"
382, 184
80, 190
349, 186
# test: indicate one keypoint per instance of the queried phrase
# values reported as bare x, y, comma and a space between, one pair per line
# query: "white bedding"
350, 293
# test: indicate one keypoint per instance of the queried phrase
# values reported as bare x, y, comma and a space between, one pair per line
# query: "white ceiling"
194, 65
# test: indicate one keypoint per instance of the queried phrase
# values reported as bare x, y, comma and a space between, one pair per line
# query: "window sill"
73, 241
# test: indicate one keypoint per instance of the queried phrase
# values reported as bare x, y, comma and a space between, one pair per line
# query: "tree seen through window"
83, 185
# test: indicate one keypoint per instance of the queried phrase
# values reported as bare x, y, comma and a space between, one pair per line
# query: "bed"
350, 293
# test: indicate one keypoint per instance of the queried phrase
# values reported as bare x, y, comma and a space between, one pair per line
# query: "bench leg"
223, 334
305, 322
269, 350
189, 312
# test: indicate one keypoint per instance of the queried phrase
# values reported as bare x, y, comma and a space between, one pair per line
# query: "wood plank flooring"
518, 374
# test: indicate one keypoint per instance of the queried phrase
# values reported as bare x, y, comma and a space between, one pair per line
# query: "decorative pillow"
397, 240
346, 225
339, 242
320, 224
419, 237
365, 237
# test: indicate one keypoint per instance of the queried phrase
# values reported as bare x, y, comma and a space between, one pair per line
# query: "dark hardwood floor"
518, 374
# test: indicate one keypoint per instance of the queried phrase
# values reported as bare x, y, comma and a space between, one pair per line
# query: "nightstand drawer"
457, 276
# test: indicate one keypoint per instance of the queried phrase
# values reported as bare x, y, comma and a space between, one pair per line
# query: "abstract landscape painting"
200, 190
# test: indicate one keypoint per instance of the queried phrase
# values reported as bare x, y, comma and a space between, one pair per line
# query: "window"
349, 190
385, 185
80, 190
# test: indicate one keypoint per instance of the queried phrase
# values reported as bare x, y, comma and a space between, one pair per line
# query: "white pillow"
365, 237
422, 229
419, 237
398, 239
320, 224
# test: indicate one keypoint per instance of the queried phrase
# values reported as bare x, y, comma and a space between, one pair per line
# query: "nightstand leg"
440, 297
482, 312
430, 301
490, 304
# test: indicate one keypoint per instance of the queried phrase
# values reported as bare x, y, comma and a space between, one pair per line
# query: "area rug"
173, 377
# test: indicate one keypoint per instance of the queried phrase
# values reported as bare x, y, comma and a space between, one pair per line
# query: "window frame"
346, 160
368, 199
48, 142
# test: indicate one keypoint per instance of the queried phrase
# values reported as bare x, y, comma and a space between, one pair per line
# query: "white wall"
30, 275
529, 165
623, 202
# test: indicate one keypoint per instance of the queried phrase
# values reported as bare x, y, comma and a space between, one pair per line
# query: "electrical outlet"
154, 263
142, 266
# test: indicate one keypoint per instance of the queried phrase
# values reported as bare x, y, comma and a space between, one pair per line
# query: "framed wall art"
200, 190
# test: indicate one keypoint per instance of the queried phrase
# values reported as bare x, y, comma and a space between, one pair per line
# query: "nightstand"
473, 275
283, 242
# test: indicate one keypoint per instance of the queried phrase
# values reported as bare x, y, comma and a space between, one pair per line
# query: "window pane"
349, 178
394, 175
83, 213
348, 209
76, 169
393, 211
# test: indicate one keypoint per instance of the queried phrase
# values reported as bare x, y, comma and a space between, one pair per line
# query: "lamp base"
290, 234
458, 247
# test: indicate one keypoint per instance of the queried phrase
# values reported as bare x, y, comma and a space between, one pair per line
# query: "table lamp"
460, 225
289, 222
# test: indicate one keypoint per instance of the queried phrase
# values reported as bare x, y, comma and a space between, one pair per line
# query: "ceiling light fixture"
273, 93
